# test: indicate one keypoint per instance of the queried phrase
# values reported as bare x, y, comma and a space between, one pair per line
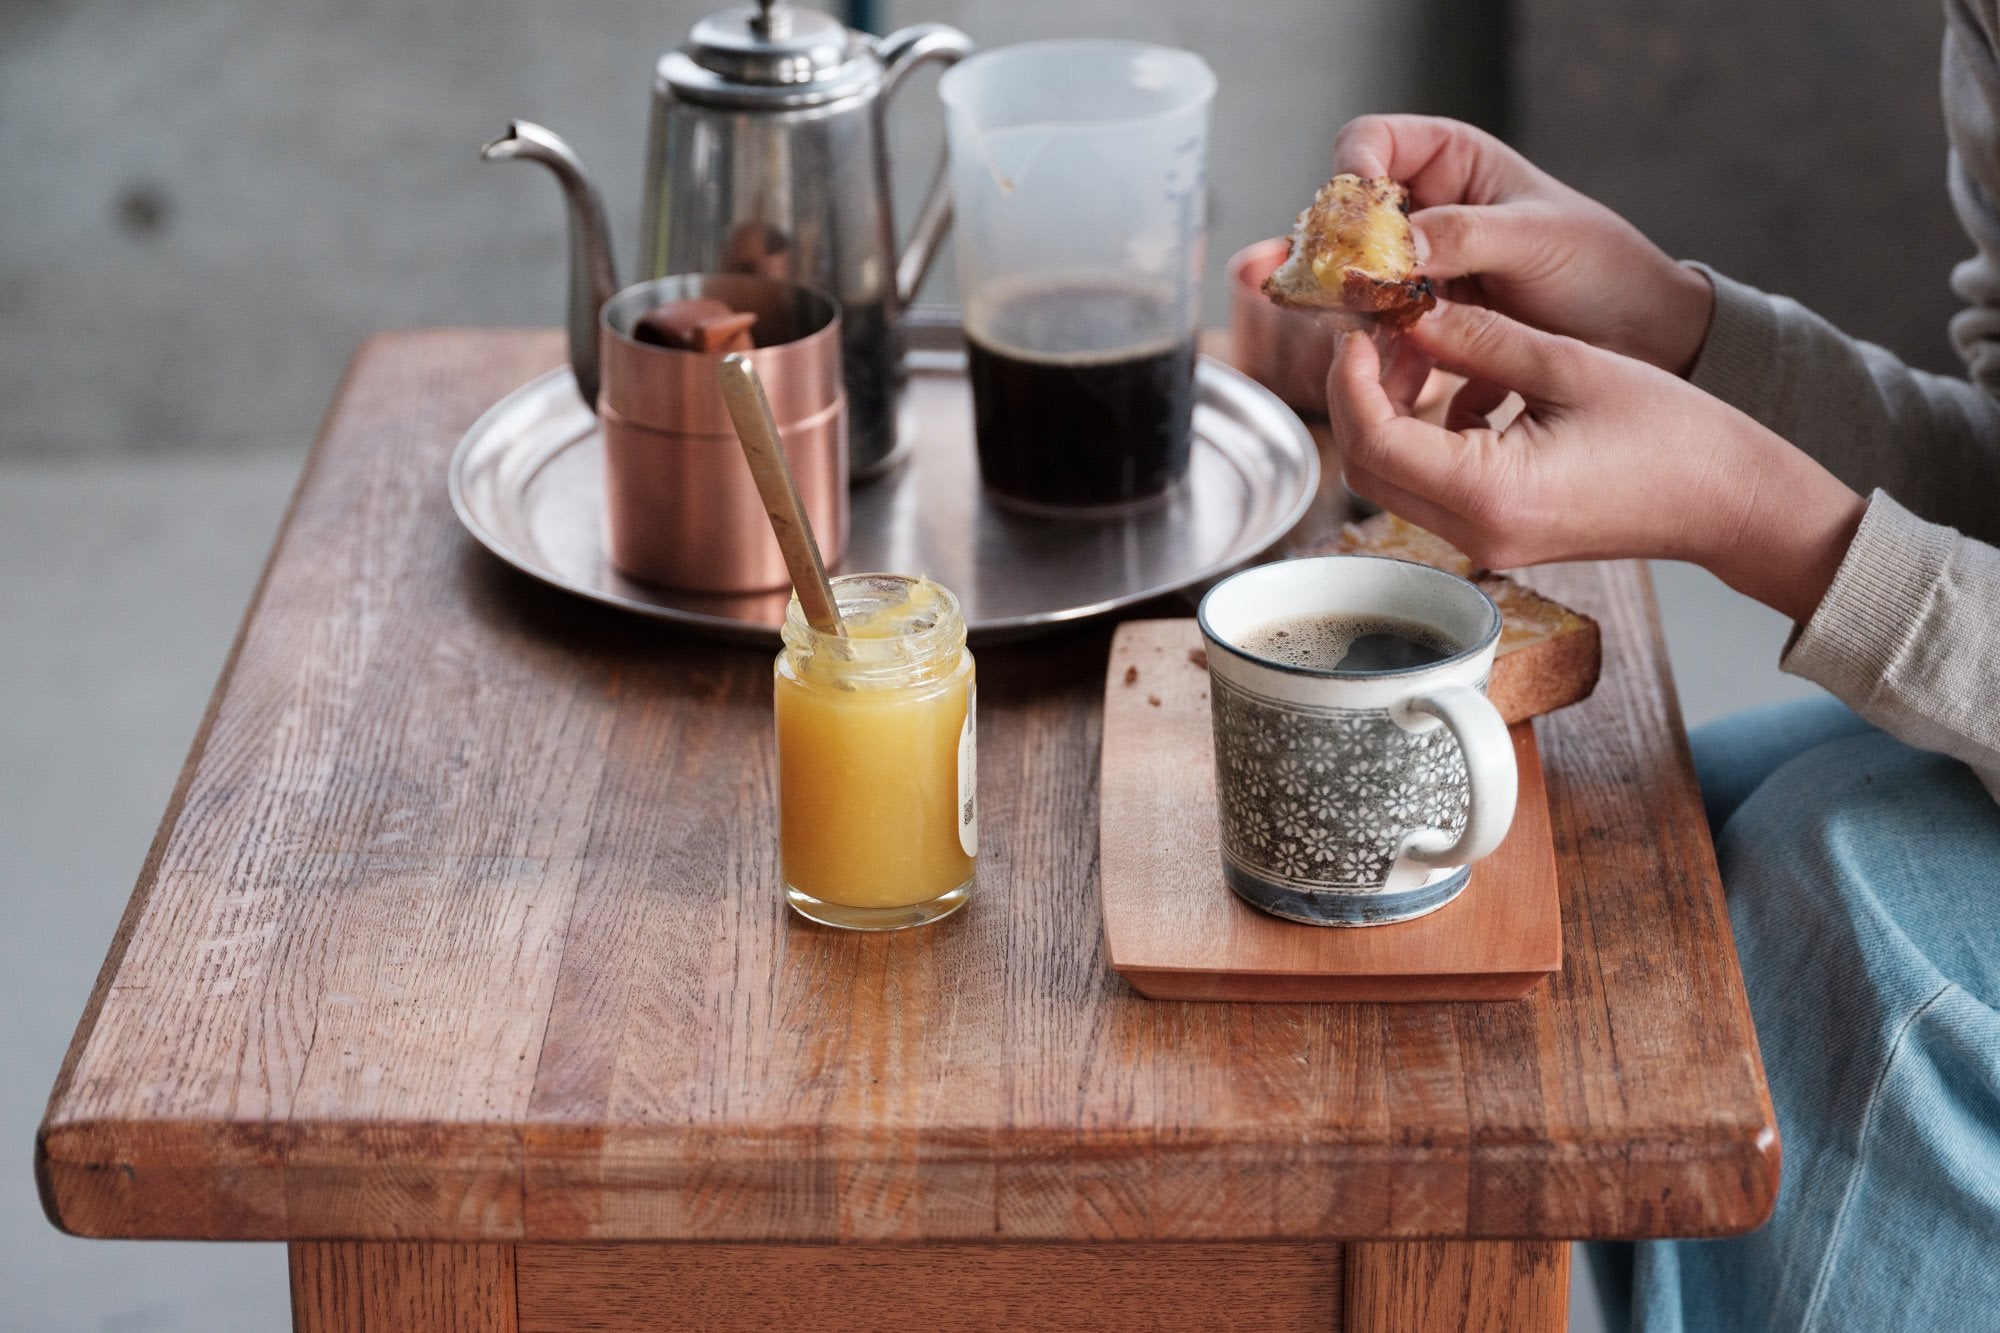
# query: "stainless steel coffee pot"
767, 155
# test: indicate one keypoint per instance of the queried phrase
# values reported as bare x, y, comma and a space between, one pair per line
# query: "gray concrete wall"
204, 204
207, 202
1798, 147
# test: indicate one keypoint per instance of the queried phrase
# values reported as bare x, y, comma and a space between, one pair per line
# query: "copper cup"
680, 506
1286, 351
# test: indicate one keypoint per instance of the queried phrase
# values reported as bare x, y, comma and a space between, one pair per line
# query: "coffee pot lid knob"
770, 46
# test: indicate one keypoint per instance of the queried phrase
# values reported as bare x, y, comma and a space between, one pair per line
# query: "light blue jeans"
1863, 879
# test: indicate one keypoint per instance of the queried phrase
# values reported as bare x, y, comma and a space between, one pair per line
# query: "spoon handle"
743, 392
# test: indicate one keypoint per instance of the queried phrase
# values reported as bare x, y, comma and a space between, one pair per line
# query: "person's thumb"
1456, 240
1482, 344
1356, 401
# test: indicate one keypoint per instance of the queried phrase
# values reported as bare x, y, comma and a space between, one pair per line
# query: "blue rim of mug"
1478, 646
1336, 907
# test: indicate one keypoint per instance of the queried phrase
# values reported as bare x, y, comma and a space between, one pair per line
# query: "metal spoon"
757, 431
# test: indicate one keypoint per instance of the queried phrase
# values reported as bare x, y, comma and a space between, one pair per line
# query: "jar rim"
887, 656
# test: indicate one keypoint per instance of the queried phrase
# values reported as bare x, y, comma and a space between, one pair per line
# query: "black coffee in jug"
1079, 399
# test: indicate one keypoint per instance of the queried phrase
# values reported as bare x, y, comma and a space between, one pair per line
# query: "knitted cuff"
1738, 360
1879, 597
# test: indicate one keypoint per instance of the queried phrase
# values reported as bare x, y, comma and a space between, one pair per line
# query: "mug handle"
1491, 779
902, 51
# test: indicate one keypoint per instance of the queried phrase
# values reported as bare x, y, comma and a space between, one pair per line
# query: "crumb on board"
1199, 656
1153, 699
1131, 675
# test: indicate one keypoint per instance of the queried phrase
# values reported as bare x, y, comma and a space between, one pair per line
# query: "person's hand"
1608, 458
1494, 230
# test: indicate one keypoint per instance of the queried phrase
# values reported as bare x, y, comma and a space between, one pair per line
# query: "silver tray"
527, 481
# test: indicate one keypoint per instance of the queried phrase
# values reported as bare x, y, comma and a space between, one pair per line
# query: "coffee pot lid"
769, 54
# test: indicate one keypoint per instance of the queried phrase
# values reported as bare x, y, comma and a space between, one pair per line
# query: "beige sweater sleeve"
1909, 633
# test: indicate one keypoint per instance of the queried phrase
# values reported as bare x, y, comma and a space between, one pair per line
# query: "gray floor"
121, 585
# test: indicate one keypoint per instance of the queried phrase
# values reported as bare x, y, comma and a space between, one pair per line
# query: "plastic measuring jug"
1078, 175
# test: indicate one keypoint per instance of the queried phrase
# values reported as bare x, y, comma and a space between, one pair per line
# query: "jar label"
968, 775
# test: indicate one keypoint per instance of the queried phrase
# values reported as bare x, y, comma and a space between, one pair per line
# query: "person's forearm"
1908, 633
1782, 541
1676, 322
1931, 441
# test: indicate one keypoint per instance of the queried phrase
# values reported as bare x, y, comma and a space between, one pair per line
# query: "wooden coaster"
1174, 930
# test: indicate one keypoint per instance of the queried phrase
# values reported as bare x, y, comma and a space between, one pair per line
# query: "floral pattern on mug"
1322, 798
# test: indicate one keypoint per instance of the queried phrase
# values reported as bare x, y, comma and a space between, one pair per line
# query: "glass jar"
878, 822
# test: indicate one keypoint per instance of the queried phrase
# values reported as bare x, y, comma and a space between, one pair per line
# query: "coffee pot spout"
592, 277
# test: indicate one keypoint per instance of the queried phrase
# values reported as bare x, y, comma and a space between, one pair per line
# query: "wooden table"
460, 965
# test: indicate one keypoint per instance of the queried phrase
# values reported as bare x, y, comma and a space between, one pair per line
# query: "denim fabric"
1863, 879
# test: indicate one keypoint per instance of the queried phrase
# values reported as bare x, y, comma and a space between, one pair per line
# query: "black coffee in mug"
1082, 393
1349, 643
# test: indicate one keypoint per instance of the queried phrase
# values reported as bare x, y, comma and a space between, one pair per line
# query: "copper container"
1286, 351
680, 507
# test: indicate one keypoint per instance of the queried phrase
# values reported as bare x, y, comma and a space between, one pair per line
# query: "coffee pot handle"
902, 51
1491, 777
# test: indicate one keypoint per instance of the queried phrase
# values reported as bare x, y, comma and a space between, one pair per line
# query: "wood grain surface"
463, 924
1455, 1286
1173, 928
1264, 1287
388, 1287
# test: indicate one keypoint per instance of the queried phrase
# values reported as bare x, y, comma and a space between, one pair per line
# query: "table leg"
402, 1287
1443, 1286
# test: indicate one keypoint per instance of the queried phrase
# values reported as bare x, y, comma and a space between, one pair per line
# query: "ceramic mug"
1355, 798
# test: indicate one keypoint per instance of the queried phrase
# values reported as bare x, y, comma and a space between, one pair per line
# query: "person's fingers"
1366, 146
1483, 344
1511, 240
1435, 398
1355, 400
1406, 367
1472, 405
1442, 161
1417, 458
1403, 502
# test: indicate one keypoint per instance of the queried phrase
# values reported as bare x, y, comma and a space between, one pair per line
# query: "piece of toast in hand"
1353, 254
1550, 655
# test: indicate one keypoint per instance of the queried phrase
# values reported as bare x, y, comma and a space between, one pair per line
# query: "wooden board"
1175, 931
464, 925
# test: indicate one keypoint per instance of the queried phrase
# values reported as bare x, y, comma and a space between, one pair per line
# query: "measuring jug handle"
902, 51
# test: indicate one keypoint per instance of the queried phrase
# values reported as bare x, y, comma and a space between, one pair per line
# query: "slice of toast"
1353, 254
1550, 655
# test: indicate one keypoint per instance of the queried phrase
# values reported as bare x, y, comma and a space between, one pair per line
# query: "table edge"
98, 1177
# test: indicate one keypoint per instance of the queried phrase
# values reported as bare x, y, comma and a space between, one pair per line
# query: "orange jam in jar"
878, 821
